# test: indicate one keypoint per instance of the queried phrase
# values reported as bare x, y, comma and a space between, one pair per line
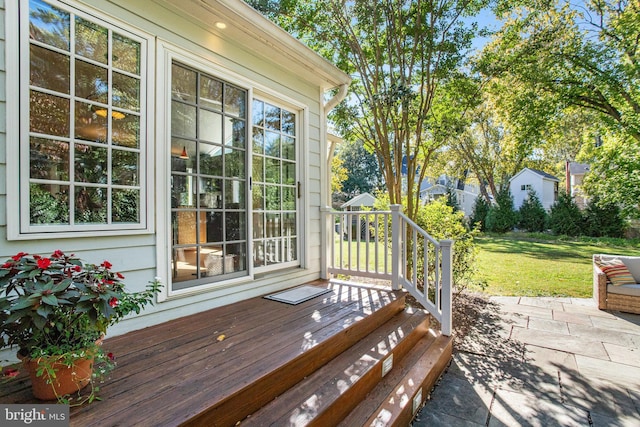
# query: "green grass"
541, 265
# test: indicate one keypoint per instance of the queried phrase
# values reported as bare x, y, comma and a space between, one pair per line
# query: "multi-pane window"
274, 189
85, 95
208, 176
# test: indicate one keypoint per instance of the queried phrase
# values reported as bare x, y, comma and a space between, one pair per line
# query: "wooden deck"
180, 373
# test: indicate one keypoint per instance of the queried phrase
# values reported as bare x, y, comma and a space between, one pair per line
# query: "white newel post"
396, 239
327, 237
447, 286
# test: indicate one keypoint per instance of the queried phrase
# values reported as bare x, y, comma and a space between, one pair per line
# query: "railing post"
447, 287
327, 237
396, 240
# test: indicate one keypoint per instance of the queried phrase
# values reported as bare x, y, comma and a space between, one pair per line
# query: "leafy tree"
400, 53
565, 217
502, 217
614, 176
362, 174
479, 215
586, 57
338, 174
452, 198
532, 216
604, 219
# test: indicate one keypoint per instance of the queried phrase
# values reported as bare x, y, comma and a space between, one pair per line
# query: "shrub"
604, 219
565, 216
502, 217
479, 214
442, 221
532, 216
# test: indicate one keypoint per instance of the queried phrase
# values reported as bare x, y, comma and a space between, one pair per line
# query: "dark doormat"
297, 295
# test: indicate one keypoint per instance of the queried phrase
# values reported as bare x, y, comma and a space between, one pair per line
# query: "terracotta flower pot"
68, 379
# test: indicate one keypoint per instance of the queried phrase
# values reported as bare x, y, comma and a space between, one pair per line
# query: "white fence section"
388, 245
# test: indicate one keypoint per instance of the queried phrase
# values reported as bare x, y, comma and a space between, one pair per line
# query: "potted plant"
56, 310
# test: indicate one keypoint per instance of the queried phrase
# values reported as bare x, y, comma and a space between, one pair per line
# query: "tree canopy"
399, 53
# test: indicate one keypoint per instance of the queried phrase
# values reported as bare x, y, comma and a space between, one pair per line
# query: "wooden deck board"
169, 373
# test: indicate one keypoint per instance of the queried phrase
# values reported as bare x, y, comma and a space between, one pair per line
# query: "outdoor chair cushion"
632, 263
618, 274
632, 290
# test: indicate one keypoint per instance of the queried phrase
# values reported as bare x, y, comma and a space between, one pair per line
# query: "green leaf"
64, 284
40, 322
50, 299
22, 302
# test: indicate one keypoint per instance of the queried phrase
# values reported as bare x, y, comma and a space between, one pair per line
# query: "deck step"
329, 394
397, 398
266, 386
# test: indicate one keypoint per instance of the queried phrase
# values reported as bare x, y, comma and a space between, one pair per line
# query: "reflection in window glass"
208, 178
126, 206
125, 167
125, 130
92, 40
49, 159
274, 189
126, 54
126, 92
49, 69
49, 204
50, 25
91, 205
49, 114
85, 147
92, 82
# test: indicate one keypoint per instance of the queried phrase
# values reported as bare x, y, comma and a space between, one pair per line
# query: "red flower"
111, 356
11, 372
120, 276
7, 265
106, 265
77, 268
57, 254
44, 263
19, 255
113, 302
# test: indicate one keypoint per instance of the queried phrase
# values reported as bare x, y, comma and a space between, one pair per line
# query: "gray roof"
544, 174
578, 168
364, 199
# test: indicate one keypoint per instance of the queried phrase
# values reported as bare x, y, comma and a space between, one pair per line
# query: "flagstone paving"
541, 362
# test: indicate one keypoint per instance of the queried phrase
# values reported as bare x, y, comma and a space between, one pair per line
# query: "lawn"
526, 265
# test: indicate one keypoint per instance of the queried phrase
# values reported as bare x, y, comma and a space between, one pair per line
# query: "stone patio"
541, 362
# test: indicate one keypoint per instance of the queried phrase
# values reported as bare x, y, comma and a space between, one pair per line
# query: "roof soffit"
259, 36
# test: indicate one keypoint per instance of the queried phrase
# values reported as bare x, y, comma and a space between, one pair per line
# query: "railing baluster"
425, 250
398, 247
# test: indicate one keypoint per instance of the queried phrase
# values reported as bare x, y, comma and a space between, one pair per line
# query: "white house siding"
141, 257
543, 186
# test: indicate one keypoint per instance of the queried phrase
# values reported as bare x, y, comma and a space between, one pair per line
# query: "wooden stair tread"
327, 395
194, 356
391, 402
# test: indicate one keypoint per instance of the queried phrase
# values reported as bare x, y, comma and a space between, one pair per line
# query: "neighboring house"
575, 177
358, 202
545, 185
184, 139
466, 194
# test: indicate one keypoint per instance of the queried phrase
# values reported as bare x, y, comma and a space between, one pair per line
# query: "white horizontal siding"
135, 255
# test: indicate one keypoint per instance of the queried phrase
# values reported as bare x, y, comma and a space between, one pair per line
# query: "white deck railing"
388, 245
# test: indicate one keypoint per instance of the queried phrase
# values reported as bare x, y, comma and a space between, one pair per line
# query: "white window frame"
18, 216
166, 54
268, 99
